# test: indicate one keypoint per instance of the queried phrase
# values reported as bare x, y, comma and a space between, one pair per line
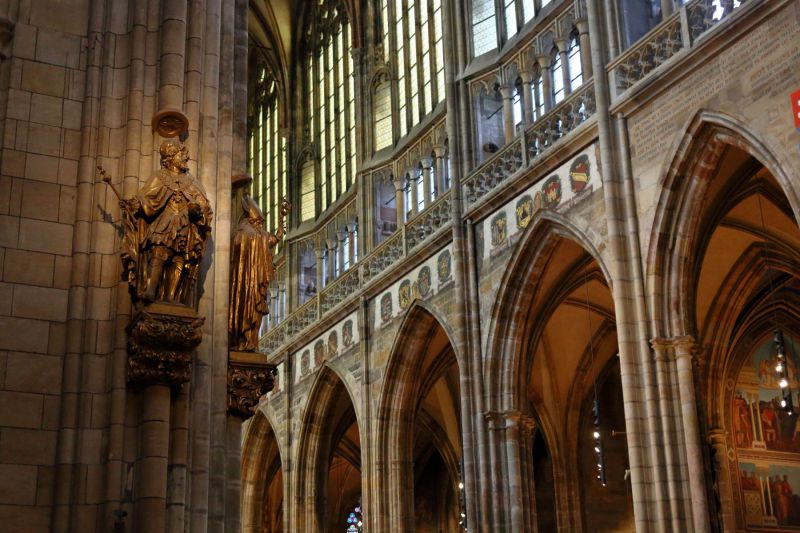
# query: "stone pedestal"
161, 339
249, 378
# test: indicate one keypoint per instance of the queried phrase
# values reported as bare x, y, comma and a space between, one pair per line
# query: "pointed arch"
263, 457
417, 358
680, 206
326, 406
520, 281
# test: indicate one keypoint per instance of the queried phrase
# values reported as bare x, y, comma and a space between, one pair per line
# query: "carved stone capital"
161, 339
249, 378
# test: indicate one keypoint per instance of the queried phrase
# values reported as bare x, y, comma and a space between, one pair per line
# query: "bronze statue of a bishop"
166, 227
252, 271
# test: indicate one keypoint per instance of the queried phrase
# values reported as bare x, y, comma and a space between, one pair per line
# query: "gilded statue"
252, 271
166, 225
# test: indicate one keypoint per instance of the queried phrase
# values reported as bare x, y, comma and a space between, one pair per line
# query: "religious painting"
347, 334
424, 281
404, 294
333, 344
767, 442
319, 352
386, 308
444, 266
579, 173
524, 212
305, 363
499, 229
551, 192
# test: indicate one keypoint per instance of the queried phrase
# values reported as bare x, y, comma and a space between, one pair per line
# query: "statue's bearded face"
180, 160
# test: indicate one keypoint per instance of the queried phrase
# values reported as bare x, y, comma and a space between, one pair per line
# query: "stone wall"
44, 77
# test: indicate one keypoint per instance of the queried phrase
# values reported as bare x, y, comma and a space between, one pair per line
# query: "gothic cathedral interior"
387, 266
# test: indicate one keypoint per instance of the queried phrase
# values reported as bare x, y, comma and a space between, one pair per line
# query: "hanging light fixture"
462, 502
597, 435
781, 364
782, 369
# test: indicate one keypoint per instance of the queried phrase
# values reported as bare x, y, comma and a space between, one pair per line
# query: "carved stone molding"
161, 339
249, 378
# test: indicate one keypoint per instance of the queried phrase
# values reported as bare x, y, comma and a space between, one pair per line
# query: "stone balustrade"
666, 40
434, 217
536, 140
338, 290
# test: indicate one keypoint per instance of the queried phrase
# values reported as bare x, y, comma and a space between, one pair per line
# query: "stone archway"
724, 256
554, 330
263, 479
328, 480
419, 429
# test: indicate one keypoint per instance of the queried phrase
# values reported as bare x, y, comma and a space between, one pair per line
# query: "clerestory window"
413, 41
330, 97
266, 148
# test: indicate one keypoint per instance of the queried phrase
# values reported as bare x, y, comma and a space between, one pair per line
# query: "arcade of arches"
532, 266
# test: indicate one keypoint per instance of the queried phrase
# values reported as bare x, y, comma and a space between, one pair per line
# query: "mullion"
335, 192
350, 99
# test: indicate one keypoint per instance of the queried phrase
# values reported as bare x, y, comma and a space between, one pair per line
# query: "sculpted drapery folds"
252, 271
166, 225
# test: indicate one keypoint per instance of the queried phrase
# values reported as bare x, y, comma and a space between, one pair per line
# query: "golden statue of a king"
252, 270
166, 226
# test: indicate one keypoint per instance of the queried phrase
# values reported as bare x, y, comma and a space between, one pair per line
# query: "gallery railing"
536, 140
434, 217
662, 43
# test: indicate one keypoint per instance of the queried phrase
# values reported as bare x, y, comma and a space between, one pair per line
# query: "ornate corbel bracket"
249, 378
161, 340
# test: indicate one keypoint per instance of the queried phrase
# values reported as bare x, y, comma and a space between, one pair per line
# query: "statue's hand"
132, 205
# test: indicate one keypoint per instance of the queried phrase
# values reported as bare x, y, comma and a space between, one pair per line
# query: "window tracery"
266, 147
514, 14
412, 37
330, 92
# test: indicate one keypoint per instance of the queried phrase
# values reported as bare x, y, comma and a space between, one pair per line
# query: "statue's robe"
251, 273
163, 220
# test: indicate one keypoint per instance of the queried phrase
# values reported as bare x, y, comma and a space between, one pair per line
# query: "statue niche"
252, 271
166, 226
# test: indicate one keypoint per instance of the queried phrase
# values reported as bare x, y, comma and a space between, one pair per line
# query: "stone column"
667, 8
320, 255
586, 48
684, 347
161, 339
441, 178
661, 350
529, 476
412, 183
612, 31
507, 91
400, 200
331, 245
352, 251
547, 81
527, 97
427, 163
718, 439
340, 237
151, 488
515, 465
563, 49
